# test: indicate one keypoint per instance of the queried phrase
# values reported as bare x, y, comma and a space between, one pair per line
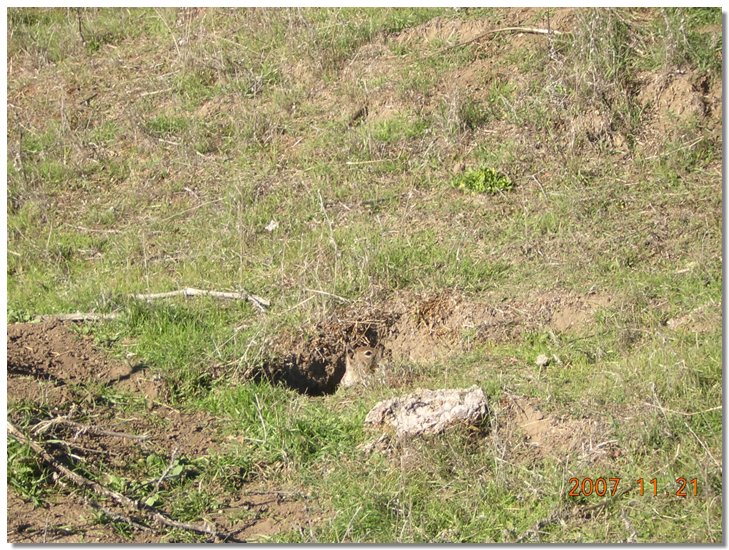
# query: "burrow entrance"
417, 329
317, 364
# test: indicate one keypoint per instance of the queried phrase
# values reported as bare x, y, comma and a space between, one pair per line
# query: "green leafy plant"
483, 180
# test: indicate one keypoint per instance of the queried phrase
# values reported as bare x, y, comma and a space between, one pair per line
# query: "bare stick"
539, 183
666, 153
155, 92
43, 426
80, 480
93, 230
328, 294
664, 409
114, 516
80, 28
260, 303
355, 162
711, 456
167, 471
526, 30
78, 316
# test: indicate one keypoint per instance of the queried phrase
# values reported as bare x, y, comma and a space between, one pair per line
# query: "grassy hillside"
462, 194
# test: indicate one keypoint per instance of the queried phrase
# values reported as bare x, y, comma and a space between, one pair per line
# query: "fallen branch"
78, 316
525, 30
257, 301
324, 293
116, 517
260, 303
167, 471
99, 489
45, 425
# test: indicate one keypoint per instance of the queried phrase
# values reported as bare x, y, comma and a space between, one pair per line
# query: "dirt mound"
49, 351
445, 30
675, 97
314, 364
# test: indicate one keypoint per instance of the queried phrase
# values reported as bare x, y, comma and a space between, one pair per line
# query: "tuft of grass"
167, 125
26, 474
282, 427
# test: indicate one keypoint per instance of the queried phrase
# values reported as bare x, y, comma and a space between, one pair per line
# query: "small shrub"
483, 180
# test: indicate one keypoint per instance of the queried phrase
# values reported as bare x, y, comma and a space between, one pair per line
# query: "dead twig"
666, 409
80, 27
672, 151
116, 517
45, 425
260, 303
78, 316
167, 471
99, 489
706, 448
541, 187
525, 30
93, 230
324, 293
257, 301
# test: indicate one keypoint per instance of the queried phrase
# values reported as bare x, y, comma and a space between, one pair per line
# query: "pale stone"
430, 411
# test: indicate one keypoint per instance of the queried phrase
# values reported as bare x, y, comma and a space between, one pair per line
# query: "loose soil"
51, 366
542, 434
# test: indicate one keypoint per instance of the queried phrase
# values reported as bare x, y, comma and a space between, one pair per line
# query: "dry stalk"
525, 30
78, 316
257, 301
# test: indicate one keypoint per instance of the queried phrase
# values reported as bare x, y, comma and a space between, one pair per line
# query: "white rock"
430, 411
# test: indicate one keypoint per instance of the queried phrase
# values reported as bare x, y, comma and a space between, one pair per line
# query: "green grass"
207, 126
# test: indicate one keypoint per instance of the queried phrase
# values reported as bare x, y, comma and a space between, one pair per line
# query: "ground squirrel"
360, 365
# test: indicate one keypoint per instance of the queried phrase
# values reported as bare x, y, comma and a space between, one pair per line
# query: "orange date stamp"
609, 486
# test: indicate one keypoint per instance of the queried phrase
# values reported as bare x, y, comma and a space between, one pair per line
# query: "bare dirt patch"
49, 351
269, 512
530, 431
671, 98
65, 519
51, 366
574, 312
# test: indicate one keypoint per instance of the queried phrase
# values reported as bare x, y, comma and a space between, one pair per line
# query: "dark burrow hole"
318, 366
